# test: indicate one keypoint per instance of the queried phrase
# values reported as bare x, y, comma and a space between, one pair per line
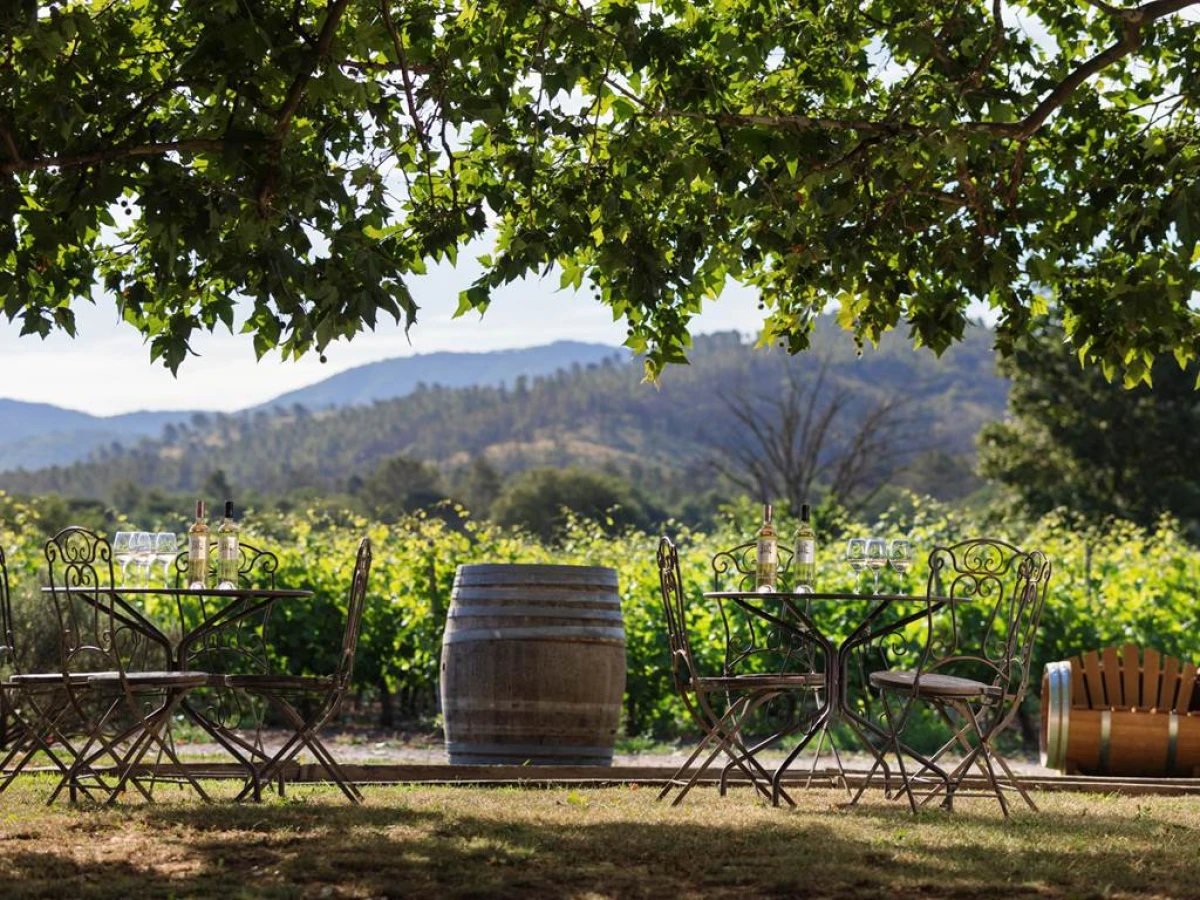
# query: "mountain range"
39, 435
598, 412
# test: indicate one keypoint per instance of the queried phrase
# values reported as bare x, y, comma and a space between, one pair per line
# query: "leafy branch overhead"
896, 157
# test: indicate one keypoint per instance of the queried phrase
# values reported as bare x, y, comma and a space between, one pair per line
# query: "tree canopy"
897, 158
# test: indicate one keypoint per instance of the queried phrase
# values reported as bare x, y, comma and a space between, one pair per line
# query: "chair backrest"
354, 613
683, 666
256, 567
95, 630
735, 569
1130, 677
8, 645
1003, 590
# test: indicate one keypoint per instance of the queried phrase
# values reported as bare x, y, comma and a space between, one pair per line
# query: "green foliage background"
1110, 584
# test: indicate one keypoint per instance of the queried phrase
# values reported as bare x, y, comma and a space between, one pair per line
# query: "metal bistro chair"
121, 702
722, 704
974, 670
290, 695
31, 706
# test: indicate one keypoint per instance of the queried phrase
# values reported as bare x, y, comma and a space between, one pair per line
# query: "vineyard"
1111, 584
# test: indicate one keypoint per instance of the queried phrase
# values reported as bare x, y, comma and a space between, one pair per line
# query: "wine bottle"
806, 553
197, 578
228, 557
766, 554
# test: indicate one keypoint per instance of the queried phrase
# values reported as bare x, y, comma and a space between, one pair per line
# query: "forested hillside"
602, 416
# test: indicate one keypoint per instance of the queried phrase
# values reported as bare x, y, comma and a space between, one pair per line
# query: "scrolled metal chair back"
94, 632
747, 638
995, 631
683, 666
735, 569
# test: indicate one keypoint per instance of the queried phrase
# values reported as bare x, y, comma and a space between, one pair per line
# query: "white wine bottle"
805, 559
197, 578
766, 554
228, 555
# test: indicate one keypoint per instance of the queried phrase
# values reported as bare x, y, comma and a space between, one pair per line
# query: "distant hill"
600, 415
35, 435
399, 377
38, 435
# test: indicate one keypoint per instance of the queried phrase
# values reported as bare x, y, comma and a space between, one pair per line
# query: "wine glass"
142, 545
122, 550
877, 557
856, 558
167, 545
900, 555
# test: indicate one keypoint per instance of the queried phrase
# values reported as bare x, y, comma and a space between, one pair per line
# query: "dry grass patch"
469, 842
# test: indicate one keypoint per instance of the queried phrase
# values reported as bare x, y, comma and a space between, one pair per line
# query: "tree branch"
295, 94
1133, 20
197, 145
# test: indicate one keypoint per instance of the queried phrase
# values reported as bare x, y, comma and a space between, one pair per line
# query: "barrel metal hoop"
1172, 741
1058, 721
527, 749
1105, 737
595, 635
542, 612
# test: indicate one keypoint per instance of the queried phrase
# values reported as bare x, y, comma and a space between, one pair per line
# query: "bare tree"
812, 434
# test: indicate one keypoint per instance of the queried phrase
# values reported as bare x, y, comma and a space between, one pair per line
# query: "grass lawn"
470, 842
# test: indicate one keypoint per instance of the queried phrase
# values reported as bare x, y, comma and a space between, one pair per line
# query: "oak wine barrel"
533, 665
1127, 742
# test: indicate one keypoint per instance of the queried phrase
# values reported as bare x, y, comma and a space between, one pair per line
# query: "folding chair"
119, 702
974, 670
309, 702
721, 705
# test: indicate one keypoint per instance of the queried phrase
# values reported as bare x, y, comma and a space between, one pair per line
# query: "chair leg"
723, 737
151, 736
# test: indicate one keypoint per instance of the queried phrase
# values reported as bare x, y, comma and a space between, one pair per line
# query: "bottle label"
766, 552
806, 552
197, 546
227, 548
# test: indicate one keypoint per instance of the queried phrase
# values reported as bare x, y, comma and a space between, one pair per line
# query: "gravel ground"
423, 749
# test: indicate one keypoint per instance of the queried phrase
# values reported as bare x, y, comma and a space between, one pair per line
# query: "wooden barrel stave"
533, 665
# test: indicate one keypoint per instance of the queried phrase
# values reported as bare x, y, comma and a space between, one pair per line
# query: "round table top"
822, 595
232, 593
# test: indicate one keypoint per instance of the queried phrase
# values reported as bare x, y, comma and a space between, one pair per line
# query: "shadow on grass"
403, 849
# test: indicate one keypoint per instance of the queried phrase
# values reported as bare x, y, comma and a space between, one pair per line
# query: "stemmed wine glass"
142, 545
900, 555
877, 558
856, 558
122, 550
166, 547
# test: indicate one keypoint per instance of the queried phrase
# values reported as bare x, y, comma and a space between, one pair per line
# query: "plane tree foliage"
288, 166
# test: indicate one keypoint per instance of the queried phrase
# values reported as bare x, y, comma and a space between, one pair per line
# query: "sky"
106, 370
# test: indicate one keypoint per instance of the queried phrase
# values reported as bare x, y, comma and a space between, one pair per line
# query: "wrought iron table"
792, 612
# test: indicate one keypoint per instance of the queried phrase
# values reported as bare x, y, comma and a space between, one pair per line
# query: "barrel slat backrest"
1117, 679
1151, 678
1170, 684
1079, 692
1095, 684
1187, 684
1131, 689
1111, 670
